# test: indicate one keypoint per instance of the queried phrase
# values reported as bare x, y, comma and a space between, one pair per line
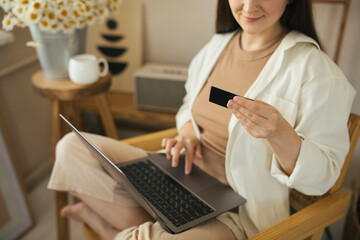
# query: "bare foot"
75, 212
80, 212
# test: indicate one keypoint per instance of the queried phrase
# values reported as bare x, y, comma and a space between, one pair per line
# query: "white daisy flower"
71, 22
80, 7
63, 12
37, 4
50, 16
33, 15
56, 15
58, 2
90, 19
45, 24
8, 23
103, 12
54, 28
19, 10
90, 3
88, 8
112, 5
22, 2
76, 14
7, 5
80, 23
21, 23
66, 28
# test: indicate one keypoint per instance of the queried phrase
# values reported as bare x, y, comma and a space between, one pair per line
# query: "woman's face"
258, 16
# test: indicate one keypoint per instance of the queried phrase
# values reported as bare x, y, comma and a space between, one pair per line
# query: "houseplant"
55, 15
57, 27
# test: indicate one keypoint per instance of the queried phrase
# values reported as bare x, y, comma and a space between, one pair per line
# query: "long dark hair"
297, 16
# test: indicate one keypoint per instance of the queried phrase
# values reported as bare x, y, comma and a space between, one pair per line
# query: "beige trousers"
76, 170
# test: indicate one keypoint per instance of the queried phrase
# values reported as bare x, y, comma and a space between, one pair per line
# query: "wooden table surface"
66, 90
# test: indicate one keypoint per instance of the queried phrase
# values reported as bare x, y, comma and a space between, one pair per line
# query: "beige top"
235, 71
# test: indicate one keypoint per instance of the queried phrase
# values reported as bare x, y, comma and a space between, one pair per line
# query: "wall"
26, 115
328, 17
174, 31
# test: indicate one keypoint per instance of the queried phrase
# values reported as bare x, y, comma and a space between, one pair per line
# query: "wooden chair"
314, 213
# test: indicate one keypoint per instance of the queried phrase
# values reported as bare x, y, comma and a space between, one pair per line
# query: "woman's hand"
185, 140
262, 120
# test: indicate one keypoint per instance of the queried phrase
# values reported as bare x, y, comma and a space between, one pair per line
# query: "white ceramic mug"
85, 69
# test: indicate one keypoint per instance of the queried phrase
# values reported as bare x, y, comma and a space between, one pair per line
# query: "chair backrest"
298, 200
346, 5
354, 132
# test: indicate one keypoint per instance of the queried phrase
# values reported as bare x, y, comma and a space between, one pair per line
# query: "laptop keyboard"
174, 201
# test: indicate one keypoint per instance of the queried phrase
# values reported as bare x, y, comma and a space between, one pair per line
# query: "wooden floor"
42, 204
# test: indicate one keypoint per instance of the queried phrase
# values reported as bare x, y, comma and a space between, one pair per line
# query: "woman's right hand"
185, 140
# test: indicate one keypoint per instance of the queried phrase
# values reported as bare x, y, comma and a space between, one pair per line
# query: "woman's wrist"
286, 144
187, 130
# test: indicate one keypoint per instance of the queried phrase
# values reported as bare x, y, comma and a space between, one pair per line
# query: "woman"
293, 135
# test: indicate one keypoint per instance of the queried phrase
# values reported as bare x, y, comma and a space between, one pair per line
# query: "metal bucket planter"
54, 50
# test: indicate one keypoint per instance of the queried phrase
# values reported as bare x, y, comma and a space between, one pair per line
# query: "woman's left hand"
259, 119
262, 120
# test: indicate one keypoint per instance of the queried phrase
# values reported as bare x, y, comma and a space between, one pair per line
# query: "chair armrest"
311, 219
151, 141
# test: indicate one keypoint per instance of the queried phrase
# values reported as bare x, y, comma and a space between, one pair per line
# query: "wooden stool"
63, 94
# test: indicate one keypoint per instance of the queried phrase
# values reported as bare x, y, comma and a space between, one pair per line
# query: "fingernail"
187, 171
173, 164
236, 98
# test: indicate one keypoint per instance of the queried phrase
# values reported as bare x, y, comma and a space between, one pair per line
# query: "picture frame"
15, 215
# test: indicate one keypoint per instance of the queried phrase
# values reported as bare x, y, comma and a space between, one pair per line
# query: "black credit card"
220, 96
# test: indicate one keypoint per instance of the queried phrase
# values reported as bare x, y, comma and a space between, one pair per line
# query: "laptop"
177, 201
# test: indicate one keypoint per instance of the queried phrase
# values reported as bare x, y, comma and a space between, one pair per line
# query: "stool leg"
72, 113
106, 116
63, 223
60, 197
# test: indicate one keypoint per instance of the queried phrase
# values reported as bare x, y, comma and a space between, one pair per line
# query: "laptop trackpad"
197, 181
